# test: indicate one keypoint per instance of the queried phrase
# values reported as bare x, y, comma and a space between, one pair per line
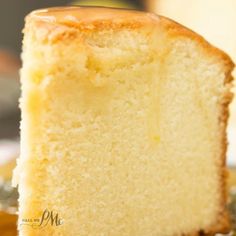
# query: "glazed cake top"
99, 18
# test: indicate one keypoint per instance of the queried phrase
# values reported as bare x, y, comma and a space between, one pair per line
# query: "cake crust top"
93, 17
103, 18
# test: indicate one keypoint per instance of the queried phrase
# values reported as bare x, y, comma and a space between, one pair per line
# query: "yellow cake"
216, 21
123, 126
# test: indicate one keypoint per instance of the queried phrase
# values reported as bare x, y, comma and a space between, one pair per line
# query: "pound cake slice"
123, 126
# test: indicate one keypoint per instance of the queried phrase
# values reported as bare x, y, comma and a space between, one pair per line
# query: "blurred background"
214, 19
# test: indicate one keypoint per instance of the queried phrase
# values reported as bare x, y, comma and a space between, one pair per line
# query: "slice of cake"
123, 126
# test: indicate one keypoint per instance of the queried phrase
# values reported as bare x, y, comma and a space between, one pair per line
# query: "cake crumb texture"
123, 125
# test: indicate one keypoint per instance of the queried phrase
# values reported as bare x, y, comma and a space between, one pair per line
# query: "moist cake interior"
121, 132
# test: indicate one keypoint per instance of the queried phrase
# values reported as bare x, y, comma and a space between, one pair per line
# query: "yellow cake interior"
216, 21
121, 133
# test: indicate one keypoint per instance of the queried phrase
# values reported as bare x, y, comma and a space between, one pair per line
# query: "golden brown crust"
58, 23
94, 18
176, 29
